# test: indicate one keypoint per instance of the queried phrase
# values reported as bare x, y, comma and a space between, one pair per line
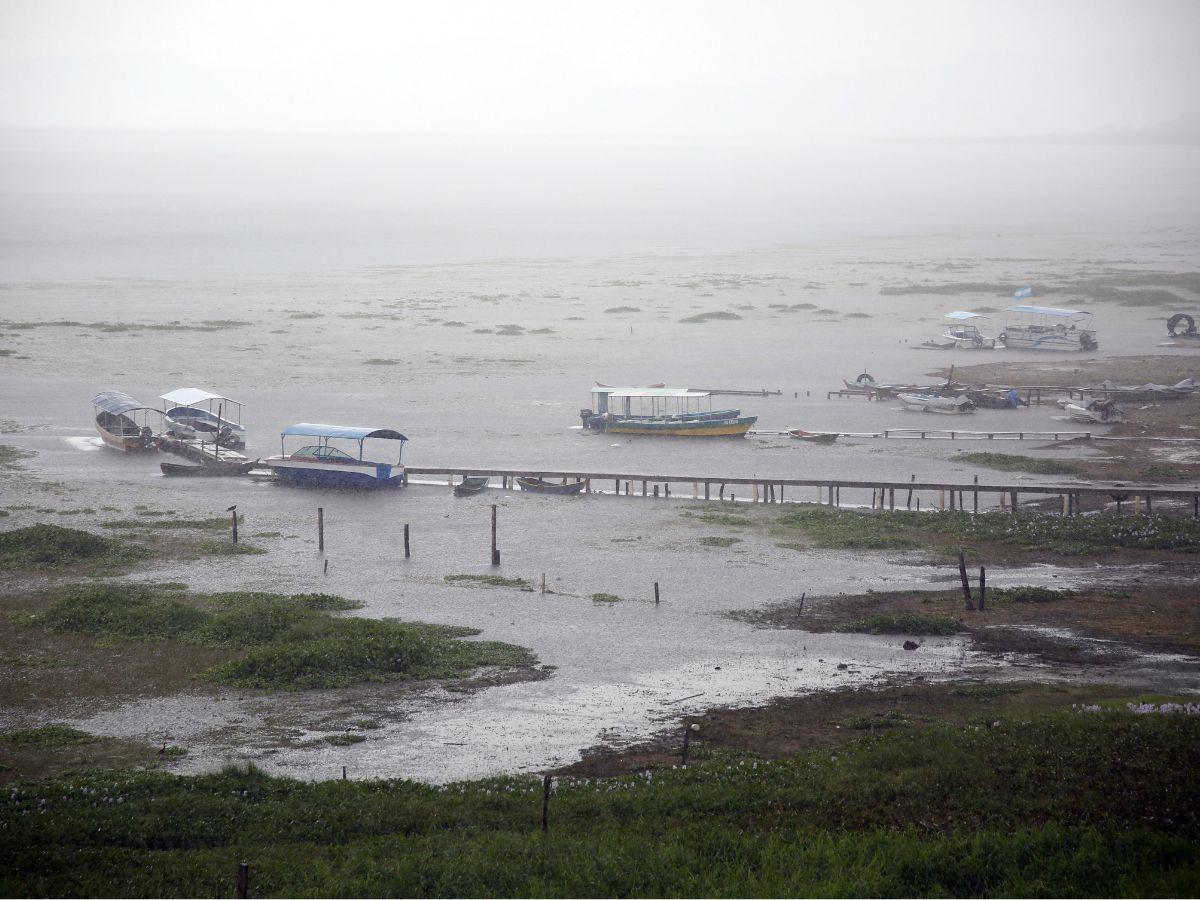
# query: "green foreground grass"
39, 547
1065, 535
286, 642
1070, 804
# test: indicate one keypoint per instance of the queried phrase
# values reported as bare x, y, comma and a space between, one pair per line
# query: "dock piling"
320, 529
495, 549
966, 583
407, 551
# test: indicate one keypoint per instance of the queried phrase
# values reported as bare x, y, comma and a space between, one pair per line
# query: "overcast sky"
727, 71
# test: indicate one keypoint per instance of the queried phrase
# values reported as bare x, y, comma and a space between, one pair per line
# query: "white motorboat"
935, 404
1101, 411
965, 331
1047, 328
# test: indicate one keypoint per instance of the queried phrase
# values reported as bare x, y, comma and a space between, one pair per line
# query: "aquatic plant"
489, 580
903, 623
52, 546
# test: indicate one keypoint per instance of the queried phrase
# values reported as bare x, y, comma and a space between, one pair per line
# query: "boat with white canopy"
323, 464
675, 412
203, 415
1048, 328
965, 331
124, 423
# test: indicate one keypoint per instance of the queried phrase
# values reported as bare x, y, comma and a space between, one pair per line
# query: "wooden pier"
961, 495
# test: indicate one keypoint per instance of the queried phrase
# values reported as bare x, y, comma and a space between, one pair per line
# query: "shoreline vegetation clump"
279, 642
1001, 805
40, 547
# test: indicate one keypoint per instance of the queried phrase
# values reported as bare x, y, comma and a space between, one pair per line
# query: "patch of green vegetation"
34, 662
1064, 804
712, 541
490, 580
871, 723
1164, 473
986, 691
1066, 535
214, 524
344, 740
717, 518
288, 642
1012, 462
364, 724
1030, 594
903, 623
623, 309
605, 598
48, 736
714, 316
228, 548
173, 752
858, 315
53, 547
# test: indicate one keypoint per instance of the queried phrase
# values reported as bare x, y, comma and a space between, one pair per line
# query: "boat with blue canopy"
323, 464
124, 423
202, 415
1048, 328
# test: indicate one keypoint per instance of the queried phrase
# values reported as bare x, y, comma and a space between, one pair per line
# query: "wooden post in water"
1014, 499
242, 888
543, 582
707, 485
656, 490
982, 588
975, 494
233, 510
656, 593
891, 499
1149, 504
546, 781
495, 549
643, 488
941, 499
407, 551
908, 504
320, 529
966, 584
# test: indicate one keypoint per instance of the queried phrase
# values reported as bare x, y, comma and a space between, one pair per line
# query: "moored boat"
1099, 411
671, 412
322, 464
935, 404
124, 423
1048, 328
537, 485
813, 437
471, 484
966, 331
202, 415
224, 468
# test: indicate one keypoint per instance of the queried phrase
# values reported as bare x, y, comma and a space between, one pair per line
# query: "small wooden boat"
224, 468
813, 437
123, 422
937, 404
471, 484
541, 486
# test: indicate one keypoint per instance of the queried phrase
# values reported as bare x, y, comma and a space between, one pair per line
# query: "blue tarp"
116, 402
349, 432
1047, 311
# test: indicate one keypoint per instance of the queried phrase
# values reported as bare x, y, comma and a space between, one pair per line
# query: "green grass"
216, 523
1069, 804
344, 740
1012, 462
34, 662
1067, 535
715, 316
285, 642
718, 518
712, 541
903, 623
228, 548
871, 723
605, 598
489, 580
48, 736
40, 547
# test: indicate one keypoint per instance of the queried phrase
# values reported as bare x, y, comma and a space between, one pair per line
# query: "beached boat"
124, 423
671, 412
813, 437
1099, 411
935, 404
201, 415
1047, 328
471, 484
966, 331
541, 486
325, 465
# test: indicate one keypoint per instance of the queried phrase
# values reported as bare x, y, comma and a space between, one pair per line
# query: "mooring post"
656, 490
891, 498
707, 486
343, 773
233, 512
966, 584
242, 890
687, 740
941, 499
656, 593
908, 504
407, 551
982, 588
1013, 500
975, 495
617, 487
495, 549
320, 529
543, 582
643, 488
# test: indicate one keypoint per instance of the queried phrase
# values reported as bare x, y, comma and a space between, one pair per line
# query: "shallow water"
478, 400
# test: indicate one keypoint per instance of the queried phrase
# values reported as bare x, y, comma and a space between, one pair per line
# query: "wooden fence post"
407, 551
495, 549
242, 889
966, 584
320, 529
982, 588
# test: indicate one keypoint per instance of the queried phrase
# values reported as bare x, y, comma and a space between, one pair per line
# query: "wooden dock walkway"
758, 489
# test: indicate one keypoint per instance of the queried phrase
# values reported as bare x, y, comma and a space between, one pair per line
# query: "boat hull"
813, 437
125, 442
210, 470
335, 475
538, 486
685, 428
1055, 341
941, 405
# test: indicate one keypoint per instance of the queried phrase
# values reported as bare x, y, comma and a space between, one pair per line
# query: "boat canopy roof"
349, 432
649, 392
963, 315
192, 396
1049, 311
118, 403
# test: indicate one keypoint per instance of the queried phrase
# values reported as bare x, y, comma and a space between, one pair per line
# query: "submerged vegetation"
489, 580
903, 623
1043, 804
282, 642
1013, 462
